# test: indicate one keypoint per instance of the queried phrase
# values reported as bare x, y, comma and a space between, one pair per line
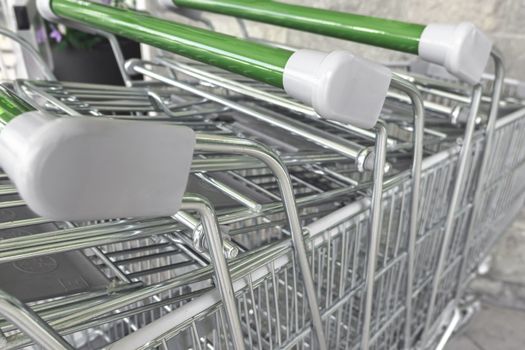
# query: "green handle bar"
385, 33
461, 48
257, 61
11, 106
326, 81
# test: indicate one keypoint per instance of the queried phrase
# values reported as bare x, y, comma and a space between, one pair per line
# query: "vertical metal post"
464, 156
222, 273
419, 125
499, 76
375, 229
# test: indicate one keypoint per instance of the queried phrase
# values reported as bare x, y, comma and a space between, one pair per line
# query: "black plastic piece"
22, 18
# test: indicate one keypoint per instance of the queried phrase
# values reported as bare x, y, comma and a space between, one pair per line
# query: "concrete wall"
502, 19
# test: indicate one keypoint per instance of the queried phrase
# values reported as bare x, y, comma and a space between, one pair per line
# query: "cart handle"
85, 168
462, 48
338, 85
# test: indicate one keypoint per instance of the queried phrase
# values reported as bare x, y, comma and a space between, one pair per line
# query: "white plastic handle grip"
462, 49
338, 85
86, 168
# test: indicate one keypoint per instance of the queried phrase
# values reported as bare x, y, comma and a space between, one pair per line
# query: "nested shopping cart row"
294, 231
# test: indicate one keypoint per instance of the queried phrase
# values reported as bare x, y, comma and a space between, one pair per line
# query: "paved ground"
493, 327
500, 324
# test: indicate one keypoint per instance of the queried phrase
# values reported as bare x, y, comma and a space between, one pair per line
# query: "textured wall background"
503, 20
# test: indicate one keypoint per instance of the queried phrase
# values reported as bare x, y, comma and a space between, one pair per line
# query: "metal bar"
349, 152
419, 125
30, 323
485, 164
222, 274
454, 202
215, 143
375, 230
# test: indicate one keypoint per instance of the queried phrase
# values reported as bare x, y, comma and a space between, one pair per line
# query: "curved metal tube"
217, 143
376, 207
350, 151
46, 72
30, 323
222, 274
489, 135
464, 156
419, 125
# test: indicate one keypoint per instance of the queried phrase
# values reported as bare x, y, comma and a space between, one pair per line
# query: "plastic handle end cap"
338, 85
44, 8
87, 169
462, 49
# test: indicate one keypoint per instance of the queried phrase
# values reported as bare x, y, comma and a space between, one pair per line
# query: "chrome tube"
26, 46
375, 229
419, 125
259, 94
348, 149
30, 323
222, 274
485, 163
464, 155
216, 143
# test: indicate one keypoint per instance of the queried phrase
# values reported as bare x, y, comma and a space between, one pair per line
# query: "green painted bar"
257, 61
11, 106
384, 33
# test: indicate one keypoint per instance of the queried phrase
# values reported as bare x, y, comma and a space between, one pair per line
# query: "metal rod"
485, 163
375, 230
461, 172
30, 323
25, 45
215, 143
349, 152
419, 125
222, 274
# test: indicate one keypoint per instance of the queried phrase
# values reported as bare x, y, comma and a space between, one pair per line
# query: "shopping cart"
465, 58
296, 74
333, 199
214, 143
240, 149
269, 69
54, 88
